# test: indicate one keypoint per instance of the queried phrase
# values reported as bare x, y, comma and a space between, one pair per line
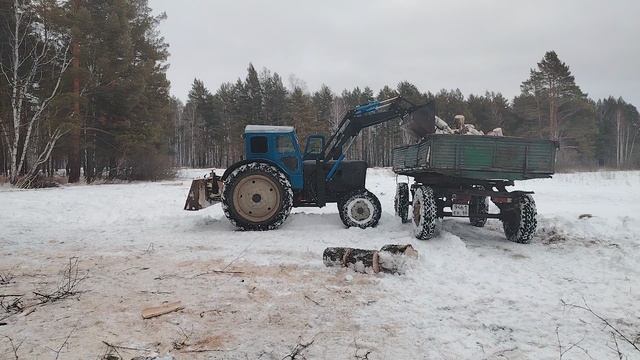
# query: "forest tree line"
591, 133
84, 92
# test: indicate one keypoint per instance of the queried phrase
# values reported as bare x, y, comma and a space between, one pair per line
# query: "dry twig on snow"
14, 347
65, 342
296, 353
68, 285
358, 355
576, 345
6, 278
14, 306
606, 322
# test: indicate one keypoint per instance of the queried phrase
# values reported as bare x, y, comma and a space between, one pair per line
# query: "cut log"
407, 250
390, 258
334, 256
361, 260
161, 310
393, 258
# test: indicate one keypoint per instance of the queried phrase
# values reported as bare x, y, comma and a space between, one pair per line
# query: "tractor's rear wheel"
360, 208
520, 223
257, 196
424, 213
401, 202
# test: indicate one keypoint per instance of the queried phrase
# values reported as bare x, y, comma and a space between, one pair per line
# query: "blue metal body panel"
335, 168
287, 158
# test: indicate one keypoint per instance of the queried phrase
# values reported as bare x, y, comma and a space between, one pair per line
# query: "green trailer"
457, 176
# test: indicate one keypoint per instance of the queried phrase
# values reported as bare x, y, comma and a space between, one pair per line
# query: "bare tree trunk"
74, 155
25, 72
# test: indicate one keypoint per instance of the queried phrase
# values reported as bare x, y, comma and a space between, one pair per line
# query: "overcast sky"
470, 45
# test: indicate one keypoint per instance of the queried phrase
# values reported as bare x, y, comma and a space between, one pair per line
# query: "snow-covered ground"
470, 295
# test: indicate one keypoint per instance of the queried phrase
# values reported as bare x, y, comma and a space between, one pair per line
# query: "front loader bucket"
204, 193
421, 122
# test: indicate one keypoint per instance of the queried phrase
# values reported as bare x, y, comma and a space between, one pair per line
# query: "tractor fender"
234, 166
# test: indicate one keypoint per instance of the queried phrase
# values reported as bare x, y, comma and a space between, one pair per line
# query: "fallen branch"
617, 349
587, 308
298, 349
6, 278
124, 347
313, 301
205, 350
67, 286
13, 307
216, 272
14, 347
65, 342
574, 345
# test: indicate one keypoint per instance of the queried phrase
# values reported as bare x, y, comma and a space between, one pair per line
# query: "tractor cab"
279, 145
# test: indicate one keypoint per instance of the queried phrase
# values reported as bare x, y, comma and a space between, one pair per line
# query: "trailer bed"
477, 157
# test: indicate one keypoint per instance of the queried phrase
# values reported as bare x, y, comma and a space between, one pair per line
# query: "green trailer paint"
477, 157
456, 176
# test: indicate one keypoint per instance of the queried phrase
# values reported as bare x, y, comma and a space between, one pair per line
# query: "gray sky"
470, 45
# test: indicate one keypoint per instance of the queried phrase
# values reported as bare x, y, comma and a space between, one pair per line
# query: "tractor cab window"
284, 144
259, 145
314, 146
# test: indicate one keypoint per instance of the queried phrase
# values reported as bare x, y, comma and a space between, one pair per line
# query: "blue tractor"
275, 175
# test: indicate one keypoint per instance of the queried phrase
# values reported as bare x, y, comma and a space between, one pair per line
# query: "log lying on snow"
400, 249
391, 258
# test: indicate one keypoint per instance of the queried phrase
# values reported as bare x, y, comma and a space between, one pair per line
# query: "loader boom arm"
361, 117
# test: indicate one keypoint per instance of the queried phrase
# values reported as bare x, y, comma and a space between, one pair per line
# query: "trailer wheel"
424, 213
520, 223
478, 205
401, 202
257, 196
360, 208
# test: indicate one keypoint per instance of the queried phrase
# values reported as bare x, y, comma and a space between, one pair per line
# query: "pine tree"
551, 99
254, 96
274, 98
322, 103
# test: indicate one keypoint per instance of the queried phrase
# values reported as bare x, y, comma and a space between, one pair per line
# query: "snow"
470, 295
268, 129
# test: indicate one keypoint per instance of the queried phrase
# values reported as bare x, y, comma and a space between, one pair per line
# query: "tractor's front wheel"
257, 196
360, 208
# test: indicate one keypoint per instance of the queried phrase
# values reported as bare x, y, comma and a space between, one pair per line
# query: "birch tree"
36, 53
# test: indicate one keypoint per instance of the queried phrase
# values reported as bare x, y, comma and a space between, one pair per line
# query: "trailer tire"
478, 205
401, 202
360, 208
257, 196
424, 213
520, 223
